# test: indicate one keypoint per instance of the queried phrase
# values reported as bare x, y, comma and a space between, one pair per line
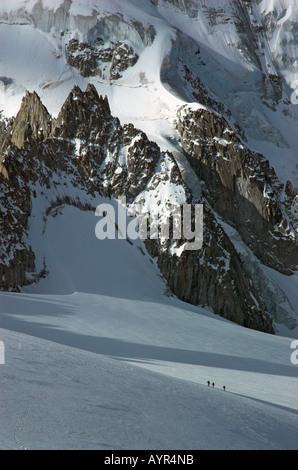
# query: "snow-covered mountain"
163, 102
141, 46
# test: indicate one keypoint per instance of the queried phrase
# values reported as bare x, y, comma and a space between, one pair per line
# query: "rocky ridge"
108, 61
85, 152
241, 187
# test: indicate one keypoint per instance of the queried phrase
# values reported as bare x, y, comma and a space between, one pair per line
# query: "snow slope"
98, 356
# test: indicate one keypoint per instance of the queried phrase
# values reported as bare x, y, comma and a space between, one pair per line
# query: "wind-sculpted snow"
103, 372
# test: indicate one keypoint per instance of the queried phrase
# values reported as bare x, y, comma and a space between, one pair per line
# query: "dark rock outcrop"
241, 187
88, 148
32, 121
107, 60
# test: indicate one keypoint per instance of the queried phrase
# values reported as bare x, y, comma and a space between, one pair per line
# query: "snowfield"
97, 356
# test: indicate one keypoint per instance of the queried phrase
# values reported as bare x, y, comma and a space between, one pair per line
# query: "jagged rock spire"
32, 121
78, 111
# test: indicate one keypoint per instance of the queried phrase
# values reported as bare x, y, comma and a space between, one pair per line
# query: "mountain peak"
32, 121
78, 109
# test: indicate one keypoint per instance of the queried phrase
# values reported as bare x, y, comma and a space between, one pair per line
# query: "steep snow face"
245, 34
235, 58
110, 267
280, 22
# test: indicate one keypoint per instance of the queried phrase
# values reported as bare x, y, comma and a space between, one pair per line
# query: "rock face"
17, 259
241, 187
108, 61
33, 121
214, 276
88, 148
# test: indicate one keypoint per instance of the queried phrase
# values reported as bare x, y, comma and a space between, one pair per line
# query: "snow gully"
175, 223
